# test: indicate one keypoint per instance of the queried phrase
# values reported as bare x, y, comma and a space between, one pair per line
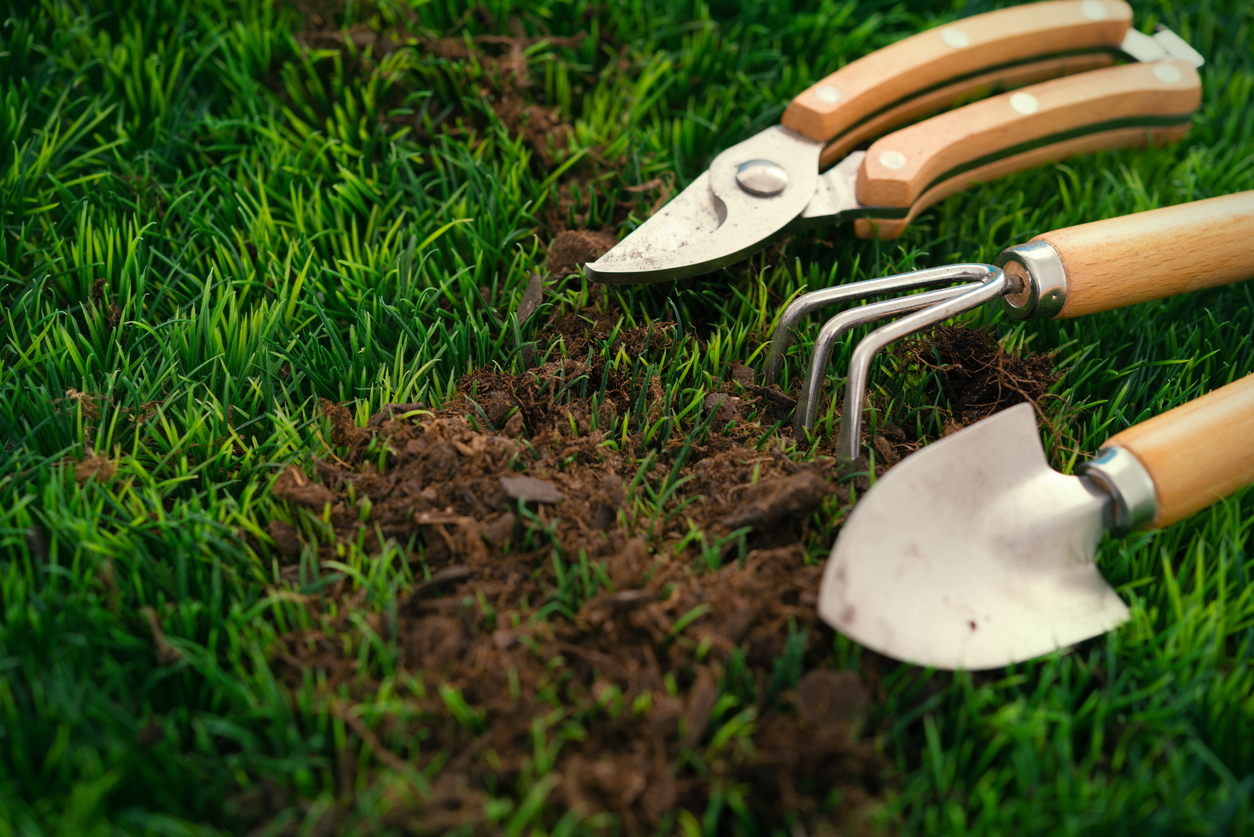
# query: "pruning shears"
783, 178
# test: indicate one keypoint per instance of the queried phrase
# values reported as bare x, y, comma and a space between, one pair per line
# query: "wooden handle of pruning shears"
1116, 107
969, 89
957, 58
1198, 453
1160, 253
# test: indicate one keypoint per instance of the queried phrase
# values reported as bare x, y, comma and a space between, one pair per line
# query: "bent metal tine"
804, 304
860, 362
808, 402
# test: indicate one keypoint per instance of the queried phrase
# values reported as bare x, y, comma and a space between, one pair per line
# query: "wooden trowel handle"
1151, 255
1199, 452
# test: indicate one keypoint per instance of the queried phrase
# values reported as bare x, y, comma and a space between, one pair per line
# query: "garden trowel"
973, 553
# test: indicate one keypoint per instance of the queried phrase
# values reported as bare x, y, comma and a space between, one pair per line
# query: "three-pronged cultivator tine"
979, 283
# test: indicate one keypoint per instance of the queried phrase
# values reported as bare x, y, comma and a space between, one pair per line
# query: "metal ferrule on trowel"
1069, 272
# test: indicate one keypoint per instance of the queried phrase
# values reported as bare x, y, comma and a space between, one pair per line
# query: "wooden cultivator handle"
1160, 253
957, 58
1198, 453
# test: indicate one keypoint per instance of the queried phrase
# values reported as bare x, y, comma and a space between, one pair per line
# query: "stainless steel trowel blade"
973, 553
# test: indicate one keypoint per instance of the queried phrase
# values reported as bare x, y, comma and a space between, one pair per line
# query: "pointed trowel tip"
972, 553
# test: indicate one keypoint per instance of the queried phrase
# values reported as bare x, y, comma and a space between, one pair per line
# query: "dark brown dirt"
549, 590
572, 248
978, 376
507, 87
94, 467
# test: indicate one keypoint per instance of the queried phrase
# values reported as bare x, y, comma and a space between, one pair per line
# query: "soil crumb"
573, 248
978, 376
556, 603
94, 467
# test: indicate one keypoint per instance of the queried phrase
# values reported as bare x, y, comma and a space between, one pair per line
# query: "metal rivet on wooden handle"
1053, 111
969, 88
886, 229
1198, 453
962, 48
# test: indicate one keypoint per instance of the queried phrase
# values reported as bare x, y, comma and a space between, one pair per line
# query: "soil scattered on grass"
506, 85
977, 375
94, 467
561, 623
572, 248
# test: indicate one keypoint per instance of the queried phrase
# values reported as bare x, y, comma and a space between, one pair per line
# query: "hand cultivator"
1070, 272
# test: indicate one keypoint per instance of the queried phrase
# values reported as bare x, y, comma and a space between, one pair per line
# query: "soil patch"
574, 621
573, 248
977, 375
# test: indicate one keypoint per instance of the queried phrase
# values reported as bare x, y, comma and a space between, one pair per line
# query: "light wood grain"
919, 62
1197, 453
1155, 254
929, 149
970, 89
1122, 138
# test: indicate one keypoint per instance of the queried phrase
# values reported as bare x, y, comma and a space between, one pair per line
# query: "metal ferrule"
1039, 282
1130, 486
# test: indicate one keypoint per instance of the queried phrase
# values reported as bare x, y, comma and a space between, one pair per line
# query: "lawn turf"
215, 216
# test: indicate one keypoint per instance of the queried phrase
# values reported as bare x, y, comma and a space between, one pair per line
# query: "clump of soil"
978, 376
572, 248
555, 599
94, 467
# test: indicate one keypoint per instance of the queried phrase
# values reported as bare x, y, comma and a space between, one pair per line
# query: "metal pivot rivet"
1024, 103
827, 94
1167, 73
1094, 10
952, 37
892, 160
761, 177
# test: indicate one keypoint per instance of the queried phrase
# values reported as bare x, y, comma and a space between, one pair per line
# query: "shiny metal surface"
972, 553
836, 194
1160, 46
1177, 47
1038, 281
806, 413
1135, 500
855, 291
761, 177
1143, 47
730, 212
715, 222
860, 362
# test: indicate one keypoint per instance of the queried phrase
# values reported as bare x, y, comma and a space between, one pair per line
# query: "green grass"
210, 222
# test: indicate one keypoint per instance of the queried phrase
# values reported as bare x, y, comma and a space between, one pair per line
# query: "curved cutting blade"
973, 553
714, 222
